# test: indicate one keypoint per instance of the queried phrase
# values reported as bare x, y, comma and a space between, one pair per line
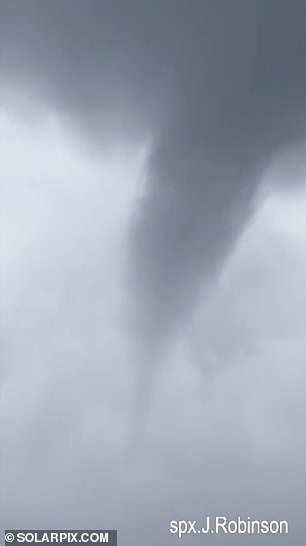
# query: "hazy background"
153, 265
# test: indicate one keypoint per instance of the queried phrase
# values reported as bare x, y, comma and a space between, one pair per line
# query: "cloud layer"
153, 220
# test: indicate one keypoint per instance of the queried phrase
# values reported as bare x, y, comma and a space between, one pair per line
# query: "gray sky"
153, 234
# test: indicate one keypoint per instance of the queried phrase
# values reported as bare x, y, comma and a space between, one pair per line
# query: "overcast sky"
153, 265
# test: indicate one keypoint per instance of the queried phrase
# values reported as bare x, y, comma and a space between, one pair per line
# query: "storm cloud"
153, 220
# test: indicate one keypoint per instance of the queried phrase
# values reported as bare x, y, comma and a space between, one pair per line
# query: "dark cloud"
218, 88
